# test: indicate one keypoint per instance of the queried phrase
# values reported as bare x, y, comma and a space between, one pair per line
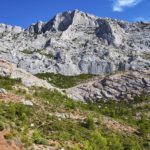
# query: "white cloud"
119, 5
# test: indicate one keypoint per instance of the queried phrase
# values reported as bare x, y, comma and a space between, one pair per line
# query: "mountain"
76, 82
75, 42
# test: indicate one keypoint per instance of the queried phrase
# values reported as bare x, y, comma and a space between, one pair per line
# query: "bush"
115, 143
7, 83
64, 136
8, 136
25, 139
144, 125
1, 126
132, 145
97, 142
89, 123
26, 51
38, 139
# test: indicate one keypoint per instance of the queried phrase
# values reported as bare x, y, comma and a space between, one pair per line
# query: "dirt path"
10, 97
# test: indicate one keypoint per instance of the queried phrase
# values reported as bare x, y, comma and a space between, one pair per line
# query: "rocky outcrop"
9, 70
12, 29
75, 42
110, 31
36, 28
124, 86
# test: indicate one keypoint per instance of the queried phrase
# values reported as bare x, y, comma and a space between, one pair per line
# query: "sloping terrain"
75, 82
38, 118
120, 86
4, 145
9, 70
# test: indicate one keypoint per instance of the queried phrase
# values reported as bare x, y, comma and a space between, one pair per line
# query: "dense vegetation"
7, 83
62, 81
38, 123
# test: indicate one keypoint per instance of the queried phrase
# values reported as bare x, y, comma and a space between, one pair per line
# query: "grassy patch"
48, 55
1, 126
26, 51
128, 112
7, 83
62, 81
57, 100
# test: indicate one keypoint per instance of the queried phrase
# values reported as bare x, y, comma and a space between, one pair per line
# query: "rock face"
9, 70
110, 31
7, 28
75, 42
119, 86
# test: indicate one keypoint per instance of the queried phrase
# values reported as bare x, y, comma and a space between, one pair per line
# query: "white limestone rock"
3, 91
110, 31
16, 29
9, 70
77, 43
121, 86
9, 28
2, 28
27, 102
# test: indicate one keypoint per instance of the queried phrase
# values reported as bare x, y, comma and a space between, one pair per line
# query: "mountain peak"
62, 21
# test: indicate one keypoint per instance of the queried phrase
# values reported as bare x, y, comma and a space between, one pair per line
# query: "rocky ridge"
75, 42
9, 70
119, 86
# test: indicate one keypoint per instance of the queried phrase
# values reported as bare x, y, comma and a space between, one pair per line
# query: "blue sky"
25, 12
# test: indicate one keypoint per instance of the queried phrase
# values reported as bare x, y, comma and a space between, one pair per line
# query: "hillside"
76, 82
38, 118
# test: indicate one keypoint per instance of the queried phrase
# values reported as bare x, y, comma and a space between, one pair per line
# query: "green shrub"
115, 143
62, 81
11, 111
144, 125
25, 139
21, 91
89, 123
132, 145
96, 142
26, 51
38, 139
28, 97
7, 83
48, 55
64, 136
8, 136
1, 126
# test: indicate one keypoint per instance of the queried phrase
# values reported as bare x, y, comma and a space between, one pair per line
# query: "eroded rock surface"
9, 70
119, 86
75, 42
